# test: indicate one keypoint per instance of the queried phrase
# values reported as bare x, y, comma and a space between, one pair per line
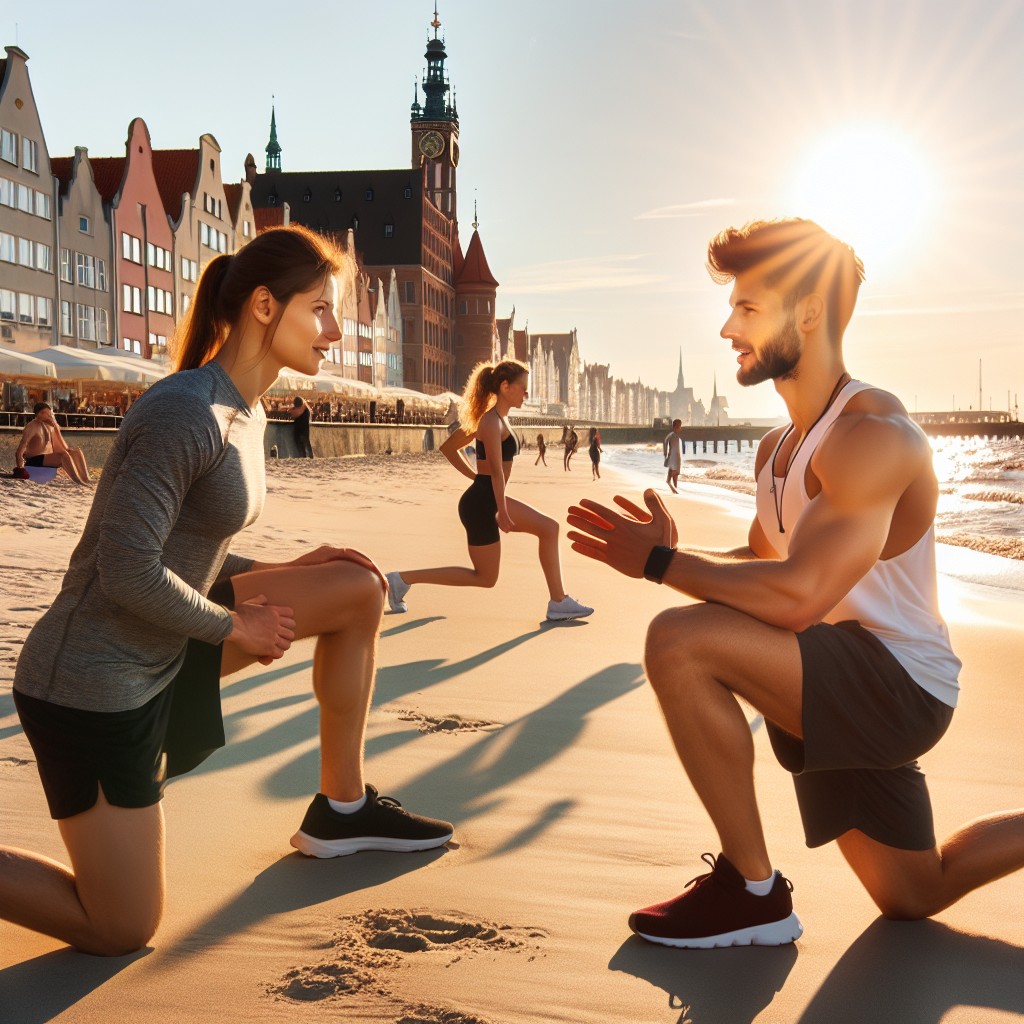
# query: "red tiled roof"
176, 171
61, 168
107, 172
475, 270
233, 194
268, 217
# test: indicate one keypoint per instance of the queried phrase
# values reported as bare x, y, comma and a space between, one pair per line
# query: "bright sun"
869, 187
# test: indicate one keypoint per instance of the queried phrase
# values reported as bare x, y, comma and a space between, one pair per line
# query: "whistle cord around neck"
777, 498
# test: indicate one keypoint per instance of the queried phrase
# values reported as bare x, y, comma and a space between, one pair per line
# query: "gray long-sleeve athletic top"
185, 474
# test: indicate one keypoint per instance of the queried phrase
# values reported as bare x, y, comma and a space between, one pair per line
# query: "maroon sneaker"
719, 911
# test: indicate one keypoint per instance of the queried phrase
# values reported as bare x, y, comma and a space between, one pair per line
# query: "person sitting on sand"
485, 509
117, 686
42, 444
827, 622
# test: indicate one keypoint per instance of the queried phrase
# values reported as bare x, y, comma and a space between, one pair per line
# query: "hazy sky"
606, 143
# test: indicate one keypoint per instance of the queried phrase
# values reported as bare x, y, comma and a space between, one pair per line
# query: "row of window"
29, 253
29, 150
214, 206
90, 271
212, 238
160, 301
24, 198
25, 308
159, 258
92, 322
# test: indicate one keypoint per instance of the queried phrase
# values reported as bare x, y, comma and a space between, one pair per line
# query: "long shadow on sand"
714, 986
470, 783
294, 883
914, 972
38, 990
293, 778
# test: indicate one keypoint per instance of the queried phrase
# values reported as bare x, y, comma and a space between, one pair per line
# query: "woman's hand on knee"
330, 553
262, 630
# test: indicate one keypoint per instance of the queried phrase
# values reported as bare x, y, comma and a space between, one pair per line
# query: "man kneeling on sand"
827, 622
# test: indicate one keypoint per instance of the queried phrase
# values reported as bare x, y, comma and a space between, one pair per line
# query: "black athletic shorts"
865, 722
478, 511
34, 460
131, 753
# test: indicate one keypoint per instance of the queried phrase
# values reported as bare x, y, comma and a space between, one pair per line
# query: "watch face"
431, 145
455, 153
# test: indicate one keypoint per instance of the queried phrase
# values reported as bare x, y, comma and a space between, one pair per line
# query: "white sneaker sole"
324, 848
566, 616
776, 933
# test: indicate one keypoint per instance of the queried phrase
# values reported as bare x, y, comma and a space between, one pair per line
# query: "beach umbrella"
21, 364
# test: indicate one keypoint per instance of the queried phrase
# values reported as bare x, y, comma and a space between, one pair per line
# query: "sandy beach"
546, 748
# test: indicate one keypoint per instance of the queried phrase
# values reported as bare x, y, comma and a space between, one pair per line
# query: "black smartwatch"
658, 562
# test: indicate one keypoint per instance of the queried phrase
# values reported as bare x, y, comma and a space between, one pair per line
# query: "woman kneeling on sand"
485, 509
117, 687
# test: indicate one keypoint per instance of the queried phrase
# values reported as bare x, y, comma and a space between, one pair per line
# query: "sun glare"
869, 187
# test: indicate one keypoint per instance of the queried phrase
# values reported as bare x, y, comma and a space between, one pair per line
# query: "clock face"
455, 153
431, 145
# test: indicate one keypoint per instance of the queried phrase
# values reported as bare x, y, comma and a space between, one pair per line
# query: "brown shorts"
865, 722
130, 753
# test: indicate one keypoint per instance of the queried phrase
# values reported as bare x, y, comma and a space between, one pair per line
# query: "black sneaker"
380, 824
720, 911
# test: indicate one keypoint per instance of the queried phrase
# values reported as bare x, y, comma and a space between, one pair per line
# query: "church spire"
273, 147
679, 379
436, 106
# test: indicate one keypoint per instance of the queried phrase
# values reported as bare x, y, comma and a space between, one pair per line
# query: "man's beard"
778, 357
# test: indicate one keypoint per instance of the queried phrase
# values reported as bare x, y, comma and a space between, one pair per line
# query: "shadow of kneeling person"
713, 986
915, 972
40, 989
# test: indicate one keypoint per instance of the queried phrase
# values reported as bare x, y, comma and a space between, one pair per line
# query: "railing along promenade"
94, 433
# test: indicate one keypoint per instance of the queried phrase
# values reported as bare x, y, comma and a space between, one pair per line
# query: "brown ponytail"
482, 389
284, 260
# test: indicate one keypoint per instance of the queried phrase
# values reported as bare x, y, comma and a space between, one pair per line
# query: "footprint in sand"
424, 1014
376, 943
446, 723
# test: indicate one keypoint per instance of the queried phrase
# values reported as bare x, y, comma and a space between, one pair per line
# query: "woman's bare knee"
118, 938
355, 593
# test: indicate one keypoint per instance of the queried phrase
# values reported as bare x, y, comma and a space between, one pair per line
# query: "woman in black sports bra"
485, 509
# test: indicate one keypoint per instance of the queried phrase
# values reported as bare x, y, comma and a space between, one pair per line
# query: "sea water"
980, 517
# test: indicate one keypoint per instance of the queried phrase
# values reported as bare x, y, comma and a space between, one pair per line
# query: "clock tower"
435, 128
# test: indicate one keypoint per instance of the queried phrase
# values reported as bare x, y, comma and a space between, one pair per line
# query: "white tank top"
897, 599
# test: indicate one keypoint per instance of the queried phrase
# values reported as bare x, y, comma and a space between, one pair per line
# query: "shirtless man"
826, 622
42, 444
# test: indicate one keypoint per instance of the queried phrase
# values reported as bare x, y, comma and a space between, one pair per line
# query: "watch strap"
658, 562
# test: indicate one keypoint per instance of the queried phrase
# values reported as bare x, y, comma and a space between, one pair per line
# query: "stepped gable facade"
28, 241
85, 292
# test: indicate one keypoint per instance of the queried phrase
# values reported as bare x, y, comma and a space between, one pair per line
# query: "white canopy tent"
88, 364
21, 364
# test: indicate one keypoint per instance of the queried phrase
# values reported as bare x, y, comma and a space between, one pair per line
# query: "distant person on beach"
300, 413
485, 508
673, 447
42, 444
572, 442
594, 449
117, 686
541, 450
827, 622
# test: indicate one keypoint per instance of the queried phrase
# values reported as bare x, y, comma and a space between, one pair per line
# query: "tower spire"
679, 381
273, 149
476, 222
